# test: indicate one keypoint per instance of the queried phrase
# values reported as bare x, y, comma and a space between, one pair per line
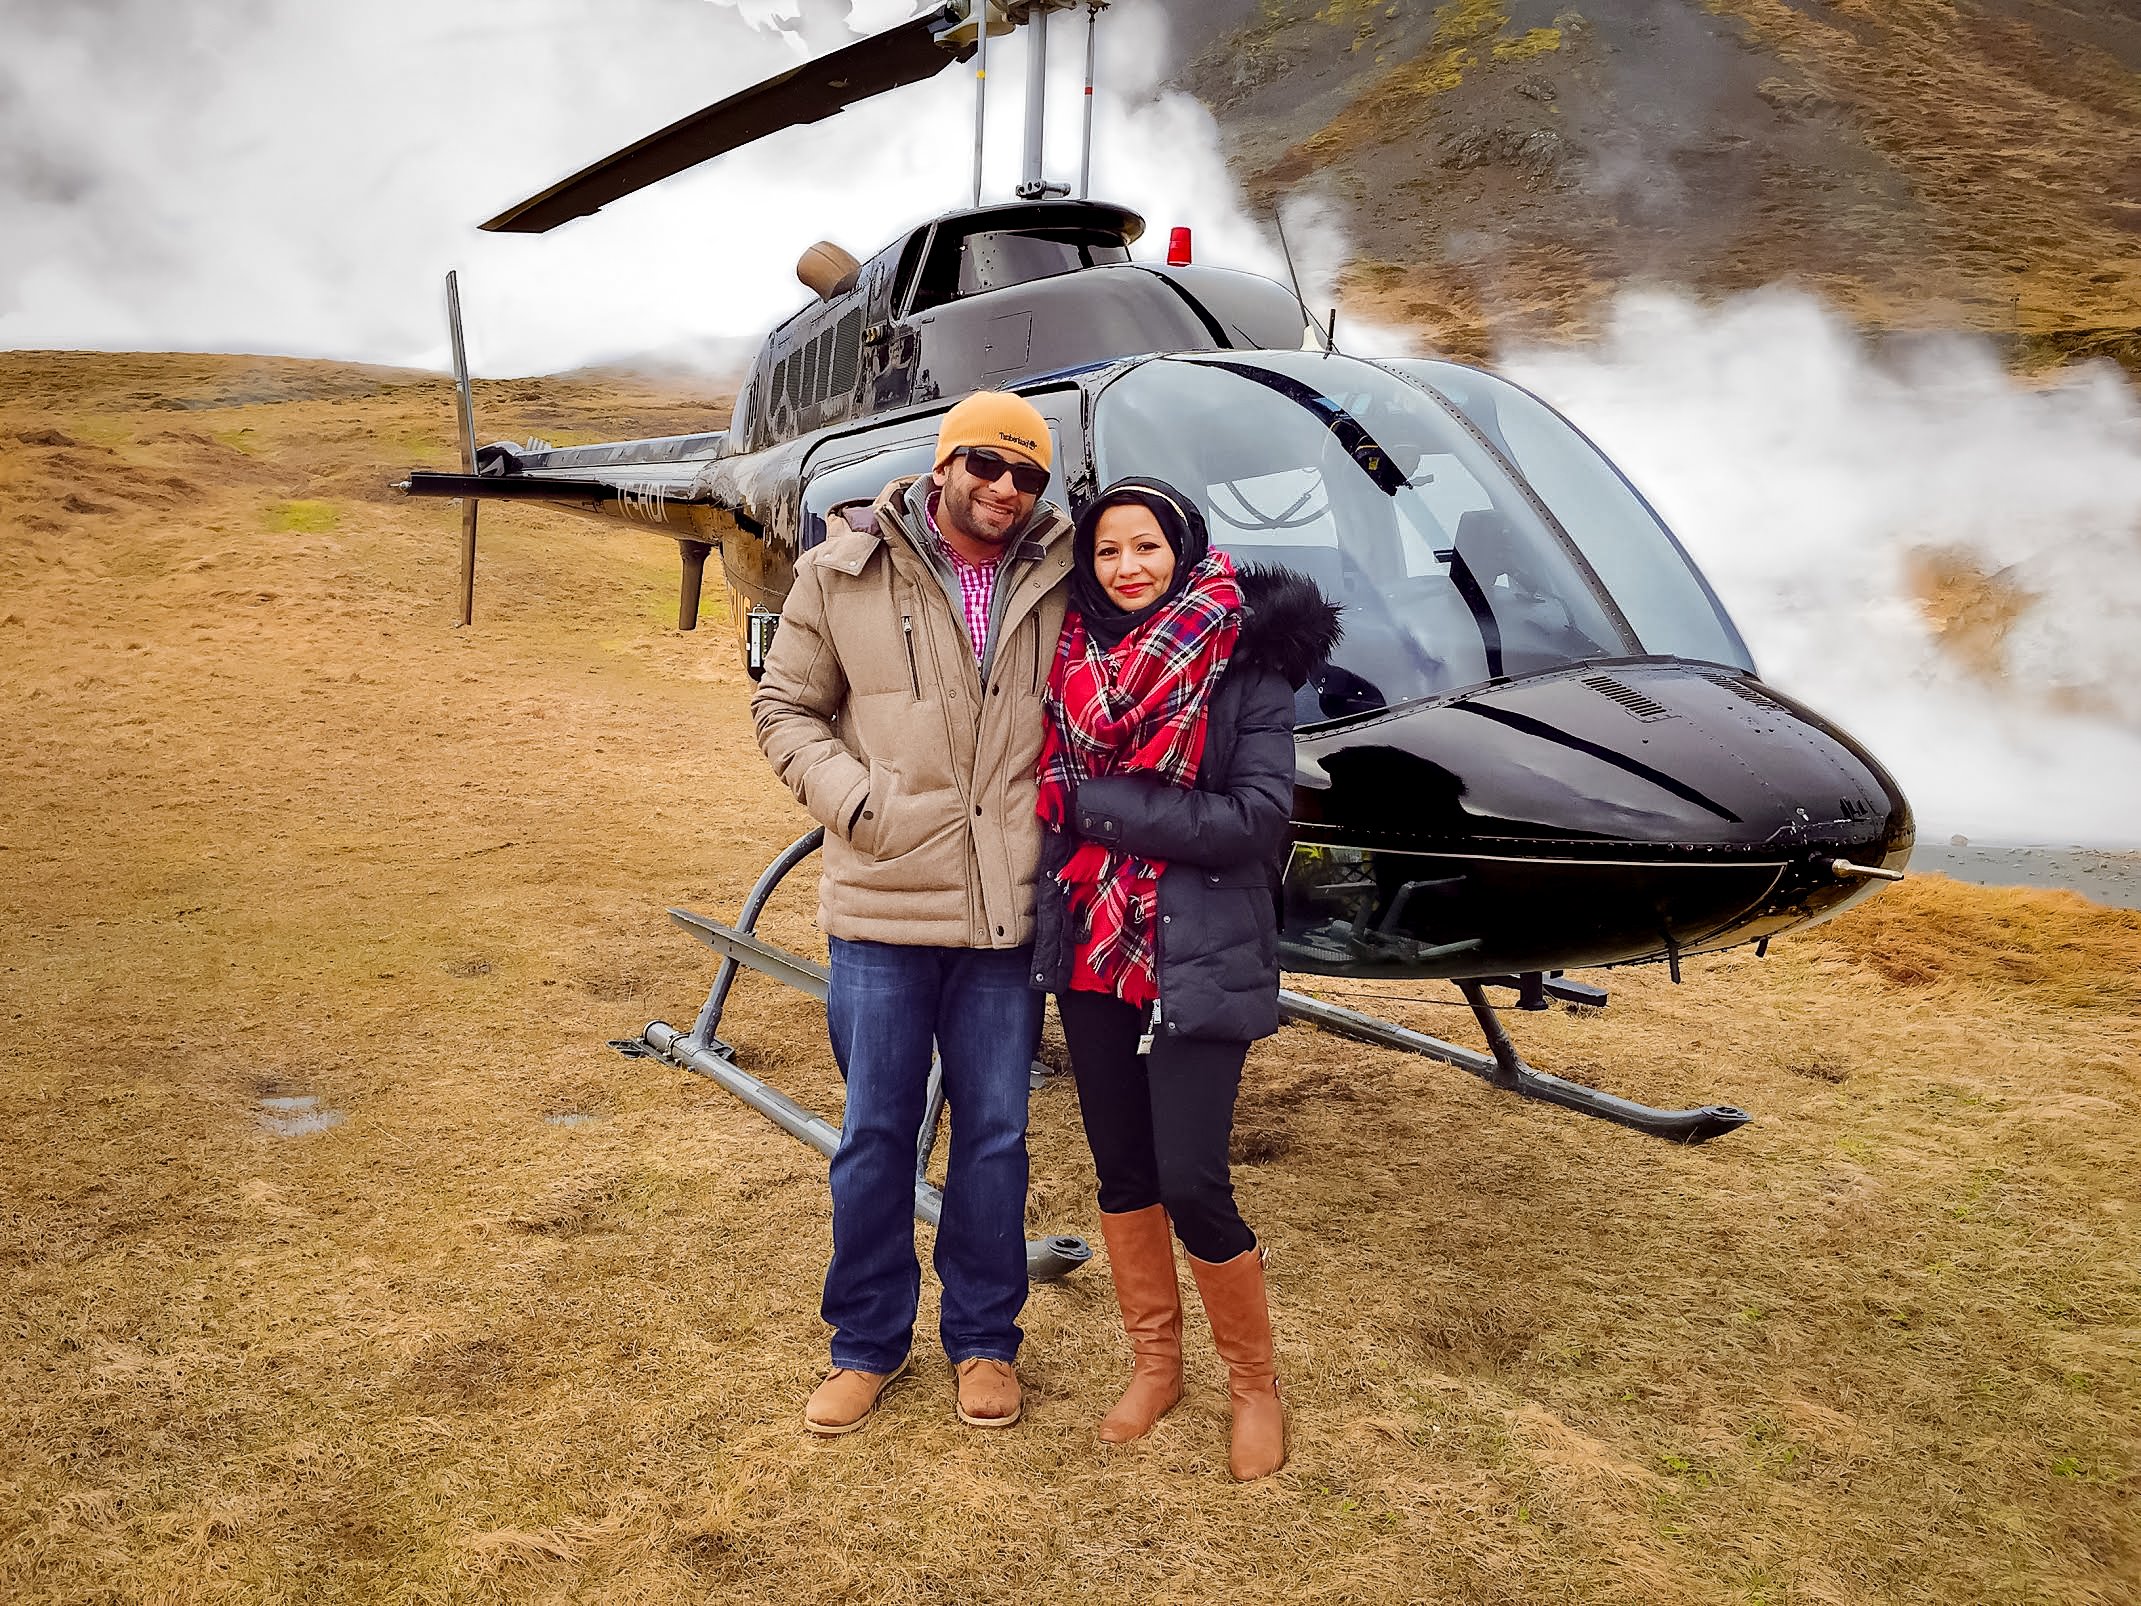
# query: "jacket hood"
1287, 624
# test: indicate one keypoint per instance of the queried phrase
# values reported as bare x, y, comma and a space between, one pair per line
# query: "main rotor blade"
806, 94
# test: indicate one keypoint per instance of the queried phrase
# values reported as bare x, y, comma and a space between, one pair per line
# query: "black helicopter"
1542, 745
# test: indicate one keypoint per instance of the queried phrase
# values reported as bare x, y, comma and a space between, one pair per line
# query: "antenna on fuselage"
1330, 336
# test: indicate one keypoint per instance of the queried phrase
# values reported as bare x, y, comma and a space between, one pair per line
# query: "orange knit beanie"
999, 422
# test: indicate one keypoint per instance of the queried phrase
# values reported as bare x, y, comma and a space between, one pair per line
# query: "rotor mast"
1033, 187
983, 18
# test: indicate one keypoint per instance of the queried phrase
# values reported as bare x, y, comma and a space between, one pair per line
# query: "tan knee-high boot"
1141, 1258
1234, 1299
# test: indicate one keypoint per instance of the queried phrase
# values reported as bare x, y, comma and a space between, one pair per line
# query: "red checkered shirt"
977, 586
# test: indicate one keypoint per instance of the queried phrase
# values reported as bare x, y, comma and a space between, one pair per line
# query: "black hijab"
1180, 522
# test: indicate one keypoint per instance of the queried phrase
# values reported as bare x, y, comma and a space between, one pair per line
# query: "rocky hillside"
1504, 163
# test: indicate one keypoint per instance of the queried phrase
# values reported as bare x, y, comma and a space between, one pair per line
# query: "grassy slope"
271, 827
1503, 164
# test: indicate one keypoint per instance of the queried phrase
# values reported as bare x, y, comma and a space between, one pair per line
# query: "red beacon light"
1178, 253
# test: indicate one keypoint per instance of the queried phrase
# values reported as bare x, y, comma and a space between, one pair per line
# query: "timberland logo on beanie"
997, 421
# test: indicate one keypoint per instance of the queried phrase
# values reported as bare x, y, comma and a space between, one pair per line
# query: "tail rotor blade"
469, 507
465, 399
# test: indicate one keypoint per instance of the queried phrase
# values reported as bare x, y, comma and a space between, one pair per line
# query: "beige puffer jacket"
873, 712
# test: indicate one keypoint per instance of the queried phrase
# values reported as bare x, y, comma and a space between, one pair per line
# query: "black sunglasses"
1030, 478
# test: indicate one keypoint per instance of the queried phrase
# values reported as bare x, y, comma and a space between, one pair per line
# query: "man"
902, 705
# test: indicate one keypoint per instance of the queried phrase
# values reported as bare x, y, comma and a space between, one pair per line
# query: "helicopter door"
1006, 346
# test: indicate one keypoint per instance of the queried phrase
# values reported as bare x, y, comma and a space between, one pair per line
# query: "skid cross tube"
1505, 1070
754, 904
702, 1052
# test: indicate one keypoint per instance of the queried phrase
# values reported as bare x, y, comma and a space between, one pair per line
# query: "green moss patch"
303, 518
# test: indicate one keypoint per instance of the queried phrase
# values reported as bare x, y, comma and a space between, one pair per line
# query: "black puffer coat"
1224, 841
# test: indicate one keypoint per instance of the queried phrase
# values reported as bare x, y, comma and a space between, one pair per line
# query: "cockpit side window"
910, 265
996, 259
961, 265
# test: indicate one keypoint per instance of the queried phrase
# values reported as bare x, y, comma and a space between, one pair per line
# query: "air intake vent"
847, 355
1759, 695
1629, 698
823, 364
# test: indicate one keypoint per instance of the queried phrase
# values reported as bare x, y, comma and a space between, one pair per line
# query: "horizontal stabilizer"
655, 481
519, 488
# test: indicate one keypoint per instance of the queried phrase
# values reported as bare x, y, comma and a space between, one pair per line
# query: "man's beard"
959, 511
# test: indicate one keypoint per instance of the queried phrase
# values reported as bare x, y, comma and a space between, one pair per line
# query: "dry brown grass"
271, 828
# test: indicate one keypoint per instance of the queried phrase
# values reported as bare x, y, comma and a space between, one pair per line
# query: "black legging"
1158, 1138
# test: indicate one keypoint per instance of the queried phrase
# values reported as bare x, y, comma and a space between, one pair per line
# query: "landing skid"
702, 1052
1505, 1070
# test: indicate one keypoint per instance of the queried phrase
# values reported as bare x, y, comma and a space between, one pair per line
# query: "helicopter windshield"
1449, 569
1660, 592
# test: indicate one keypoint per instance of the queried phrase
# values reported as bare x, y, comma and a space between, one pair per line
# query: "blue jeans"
886, 1005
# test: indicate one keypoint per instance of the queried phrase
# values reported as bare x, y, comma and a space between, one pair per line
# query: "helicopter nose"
1612, 813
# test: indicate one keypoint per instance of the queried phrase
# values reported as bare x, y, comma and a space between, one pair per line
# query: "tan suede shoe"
844, 1401
989, 1395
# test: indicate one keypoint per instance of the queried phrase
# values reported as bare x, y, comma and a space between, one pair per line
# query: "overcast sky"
298, 175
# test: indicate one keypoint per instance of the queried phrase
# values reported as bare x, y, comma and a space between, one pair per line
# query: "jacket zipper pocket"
914, 673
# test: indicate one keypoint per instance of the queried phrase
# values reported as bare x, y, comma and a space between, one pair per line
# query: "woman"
1167, 779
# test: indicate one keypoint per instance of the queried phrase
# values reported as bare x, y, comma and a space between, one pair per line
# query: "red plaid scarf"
1138, 710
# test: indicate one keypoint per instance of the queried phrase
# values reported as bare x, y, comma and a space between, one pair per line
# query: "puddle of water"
297, 1115
571, 1118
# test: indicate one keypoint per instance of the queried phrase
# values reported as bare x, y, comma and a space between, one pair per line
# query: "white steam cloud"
1802, 471
298, 177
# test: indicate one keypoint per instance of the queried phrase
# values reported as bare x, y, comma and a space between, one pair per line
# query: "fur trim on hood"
1287, 625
